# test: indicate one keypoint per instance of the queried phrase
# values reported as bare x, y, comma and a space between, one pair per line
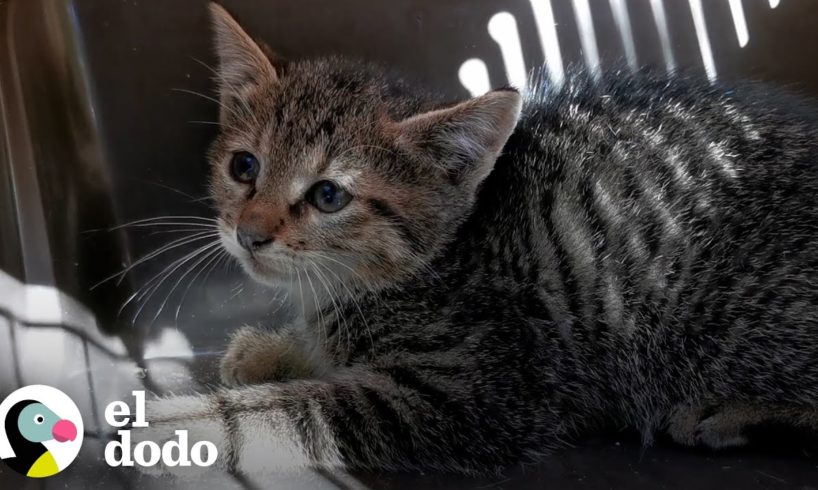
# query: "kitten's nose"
252, 238
257, 225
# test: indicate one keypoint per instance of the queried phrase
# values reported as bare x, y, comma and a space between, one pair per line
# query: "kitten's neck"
496, 232
314, 296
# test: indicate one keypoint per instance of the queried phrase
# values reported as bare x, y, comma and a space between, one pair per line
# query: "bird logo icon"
41, 429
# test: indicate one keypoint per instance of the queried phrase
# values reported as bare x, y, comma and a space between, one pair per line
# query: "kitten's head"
325, 169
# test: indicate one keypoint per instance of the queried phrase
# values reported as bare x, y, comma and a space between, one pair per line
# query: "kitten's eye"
244, 167
328, 197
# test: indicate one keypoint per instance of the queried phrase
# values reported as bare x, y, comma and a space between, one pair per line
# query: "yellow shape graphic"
44, 466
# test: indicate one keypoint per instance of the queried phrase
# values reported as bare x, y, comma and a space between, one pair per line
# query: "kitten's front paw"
258, 356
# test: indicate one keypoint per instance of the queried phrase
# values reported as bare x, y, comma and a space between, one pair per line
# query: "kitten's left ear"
464, 140
242, 62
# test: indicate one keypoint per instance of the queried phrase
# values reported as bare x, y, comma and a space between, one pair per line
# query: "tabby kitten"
481, 281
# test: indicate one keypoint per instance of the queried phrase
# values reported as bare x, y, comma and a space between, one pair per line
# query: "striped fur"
644, 252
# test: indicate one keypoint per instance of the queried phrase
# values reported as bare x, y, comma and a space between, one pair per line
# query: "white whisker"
207, 97
179, 242
208, 266
353, 299
224, 81
190, 269
301, 291
338, 314
165, 274
319, 313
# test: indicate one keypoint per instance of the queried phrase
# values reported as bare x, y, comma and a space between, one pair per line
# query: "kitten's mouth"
262, 269
270, 272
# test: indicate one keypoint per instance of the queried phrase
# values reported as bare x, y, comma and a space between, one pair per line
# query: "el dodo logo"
148, 453
40, 431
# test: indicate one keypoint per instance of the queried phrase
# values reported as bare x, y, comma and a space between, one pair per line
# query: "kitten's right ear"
463, 140
242, 62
